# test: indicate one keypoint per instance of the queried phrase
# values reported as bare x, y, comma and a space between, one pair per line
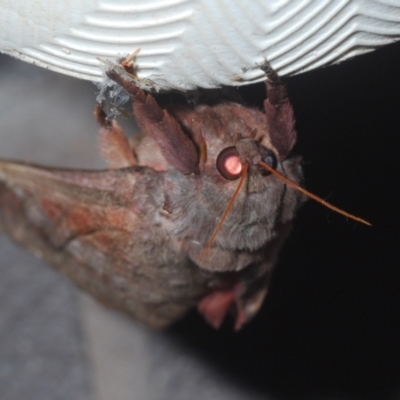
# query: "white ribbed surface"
190, 43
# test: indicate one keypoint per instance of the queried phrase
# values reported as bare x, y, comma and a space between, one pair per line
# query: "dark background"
330, 326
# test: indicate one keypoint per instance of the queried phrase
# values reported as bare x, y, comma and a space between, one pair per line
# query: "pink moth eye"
229, 164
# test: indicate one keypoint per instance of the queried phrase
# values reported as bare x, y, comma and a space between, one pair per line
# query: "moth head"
256, 157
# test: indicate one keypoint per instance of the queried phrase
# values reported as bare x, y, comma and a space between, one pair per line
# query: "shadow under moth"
191, 212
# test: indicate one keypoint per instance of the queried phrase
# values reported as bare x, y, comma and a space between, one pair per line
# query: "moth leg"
177, 148
276, 90
279, 112
113, 144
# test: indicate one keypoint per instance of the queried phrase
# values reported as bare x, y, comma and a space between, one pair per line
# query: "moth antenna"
226, 212
312, 196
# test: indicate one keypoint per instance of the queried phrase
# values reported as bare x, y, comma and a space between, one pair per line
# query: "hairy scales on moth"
194, 214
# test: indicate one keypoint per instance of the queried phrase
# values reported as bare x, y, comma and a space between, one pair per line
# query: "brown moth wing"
100, 229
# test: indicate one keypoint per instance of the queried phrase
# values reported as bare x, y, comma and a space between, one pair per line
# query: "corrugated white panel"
194, 43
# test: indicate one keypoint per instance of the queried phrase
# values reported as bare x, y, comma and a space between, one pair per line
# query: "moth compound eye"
229, 164
269, 157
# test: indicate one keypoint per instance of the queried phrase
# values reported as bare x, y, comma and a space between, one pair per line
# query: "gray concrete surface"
42, 351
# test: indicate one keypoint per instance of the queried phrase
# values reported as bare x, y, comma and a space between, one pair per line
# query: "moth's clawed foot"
266, 67
271, 74
128, 63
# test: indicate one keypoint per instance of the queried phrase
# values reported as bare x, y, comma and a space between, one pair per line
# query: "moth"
191, 212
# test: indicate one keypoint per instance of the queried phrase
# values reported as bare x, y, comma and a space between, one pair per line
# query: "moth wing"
98, 228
